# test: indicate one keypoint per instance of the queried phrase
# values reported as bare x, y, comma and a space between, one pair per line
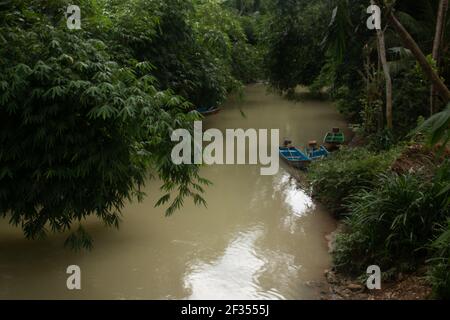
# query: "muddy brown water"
261, 237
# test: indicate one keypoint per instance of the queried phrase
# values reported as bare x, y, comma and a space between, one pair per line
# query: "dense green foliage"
294, 55
197, 48
346, 173
86, 115
439, 275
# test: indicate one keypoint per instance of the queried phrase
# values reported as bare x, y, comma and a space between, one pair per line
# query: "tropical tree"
426, 66
399, 41
294, 54
86, 115
437, 128
83, 124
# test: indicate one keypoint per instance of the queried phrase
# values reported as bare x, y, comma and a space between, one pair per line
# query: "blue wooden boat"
294, 157
317, 153
205, 111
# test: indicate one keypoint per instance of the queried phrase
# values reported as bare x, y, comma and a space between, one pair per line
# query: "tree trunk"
428, 70
442, 12
387, 75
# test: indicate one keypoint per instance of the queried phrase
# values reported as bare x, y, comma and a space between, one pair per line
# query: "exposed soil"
343, 287
417, 158
405, 287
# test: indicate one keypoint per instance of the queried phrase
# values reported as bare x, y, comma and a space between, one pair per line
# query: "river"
261, 237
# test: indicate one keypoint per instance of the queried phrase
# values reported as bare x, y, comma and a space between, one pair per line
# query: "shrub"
439, 275
392, 224
411, 96
346, 173
382, 140
347, 100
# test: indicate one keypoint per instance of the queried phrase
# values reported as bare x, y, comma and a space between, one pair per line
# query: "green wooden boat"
335, 138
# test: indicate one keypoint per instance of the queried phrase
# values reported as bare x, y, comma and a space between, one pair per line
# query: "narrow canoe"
317, 154
208, 111
294, 157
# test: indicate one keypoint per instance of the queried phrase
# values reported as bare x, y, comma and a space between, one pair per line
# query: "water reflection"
247, 268
234, 275
296, 199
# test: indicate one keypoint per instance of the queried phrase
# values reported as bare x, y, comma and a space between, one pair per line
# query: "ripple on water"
234, 275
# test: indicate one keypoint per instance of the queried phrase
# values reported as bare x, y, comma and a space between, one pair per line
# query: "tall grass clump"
439, 274
393, 224
346, 173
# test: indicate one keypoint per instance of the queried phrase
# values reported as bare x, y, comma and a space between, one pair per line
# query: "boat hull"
318, 154
295, 158
208, 112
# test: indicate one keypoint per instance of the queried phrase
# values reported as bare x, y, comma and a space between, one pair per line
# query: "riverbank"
404, 287
345, 287
391, 206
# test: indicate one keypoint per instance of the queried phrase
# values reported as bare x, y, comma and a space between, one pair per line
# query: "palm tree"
438, 128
